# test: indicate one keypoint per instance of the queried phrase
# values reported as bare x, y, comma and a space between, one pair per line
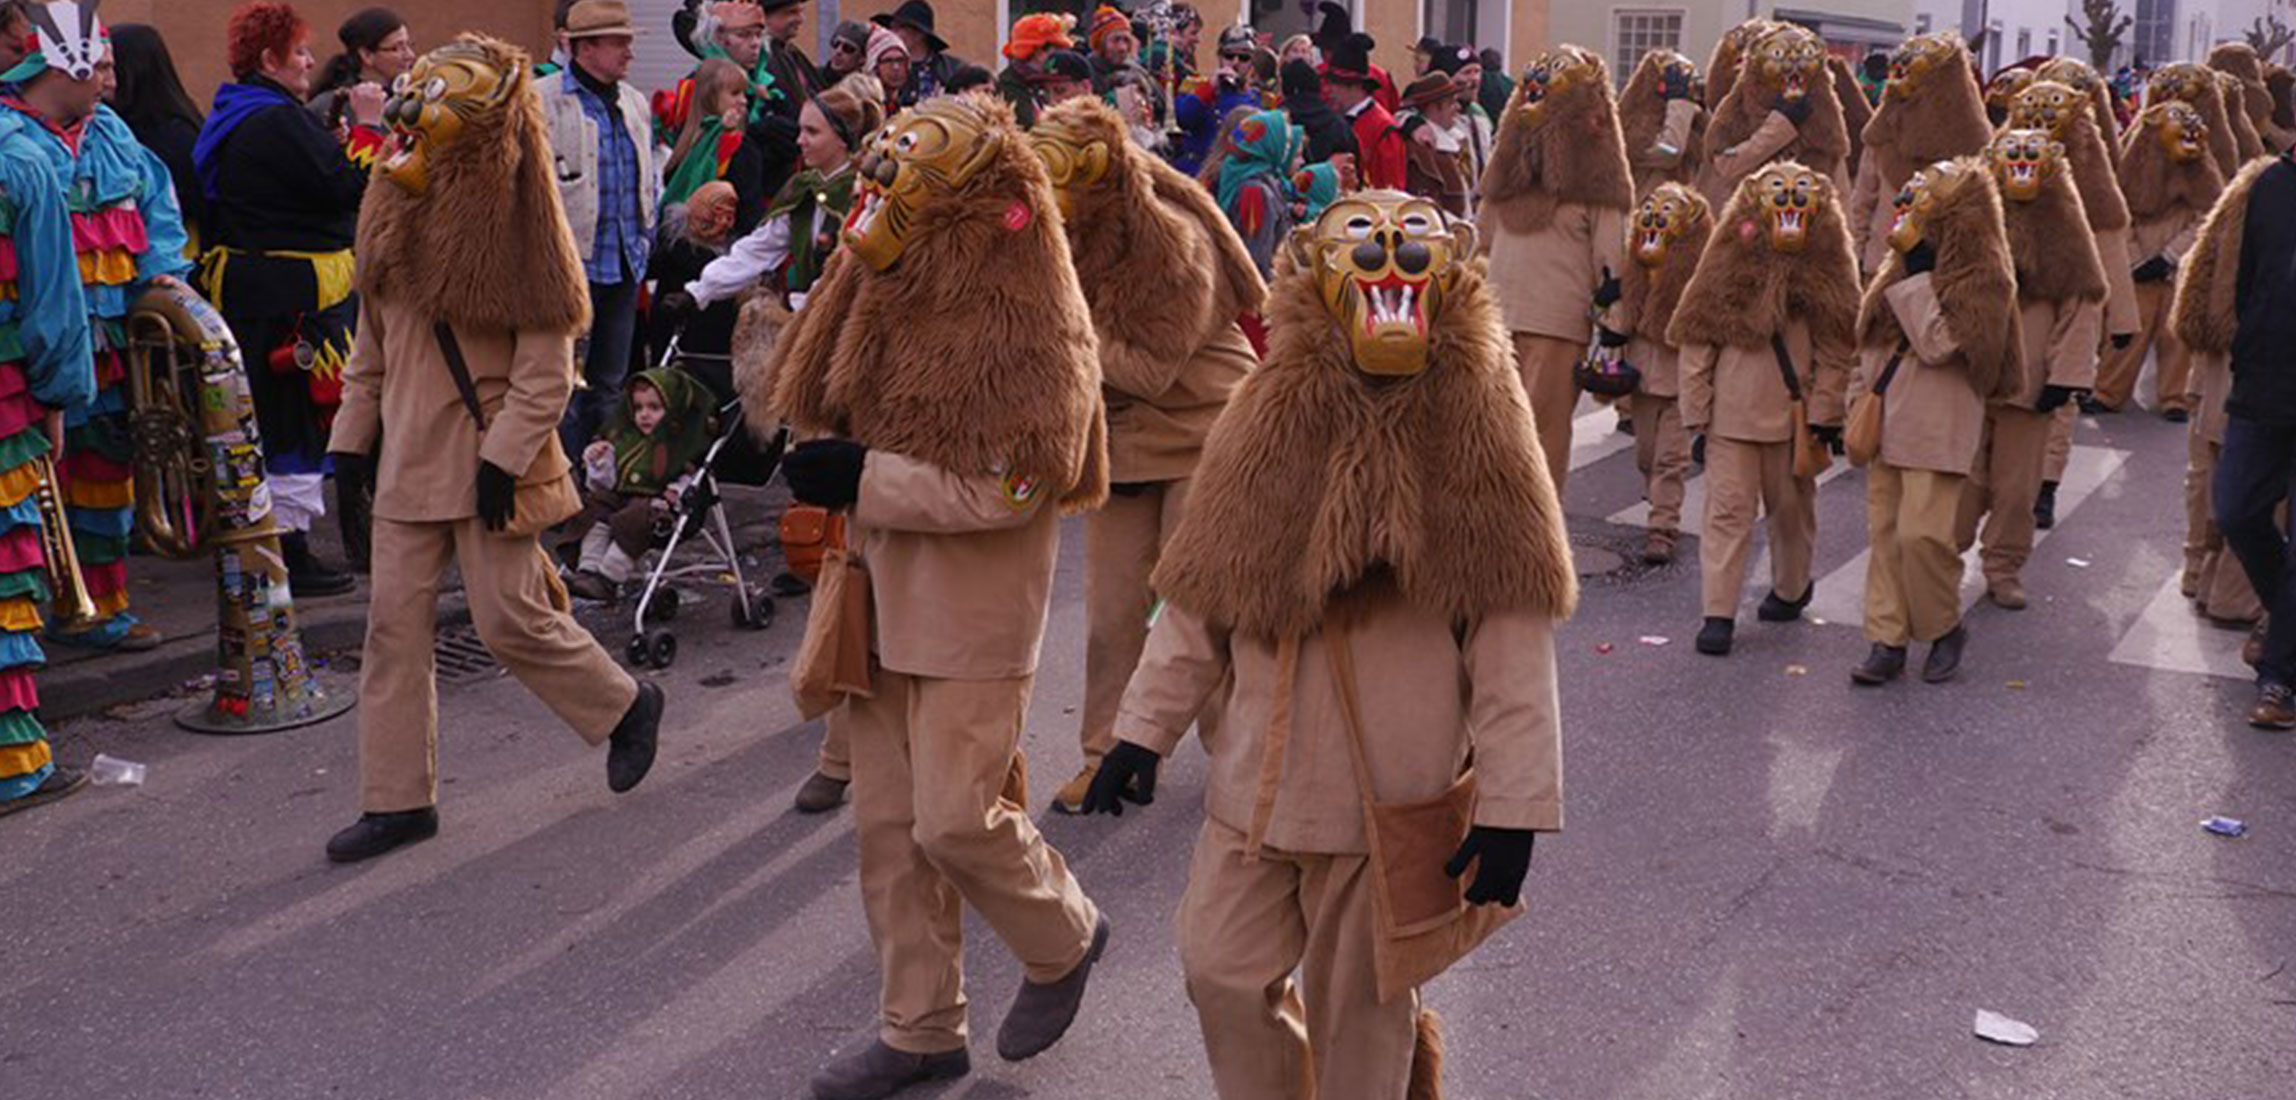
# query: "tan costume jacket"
1668, 158
1932, 417
1157, 423
1740, 392
1545, 281
1660, 364
2061, 341
1428, 695
1723, 169
960, 569
397, 376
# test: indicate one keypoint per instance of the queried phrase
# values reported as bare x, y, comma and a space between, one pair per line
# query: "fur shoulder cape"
1642, 114
1653, 296
2053, 247
974, 351
2170, 81
1945, 119
2155, 185
1729, 58
2244, 136
1824, 140
1317, 477
1161, 268
1745, 292
2206, 313
2240, 60
1574, 154
487, 246
1976, 284
1857, 112
2094, 173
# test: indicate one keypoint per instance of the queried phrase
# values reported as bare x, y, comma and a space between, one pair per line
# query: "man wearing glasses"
1202, 103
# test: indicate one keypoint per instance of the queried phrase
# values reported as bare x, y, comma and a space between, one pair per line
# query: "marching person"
1667, 239
2170, 182
471, 295
1370, 662
1664, 126
1780, 107
1930, 111
1765, 330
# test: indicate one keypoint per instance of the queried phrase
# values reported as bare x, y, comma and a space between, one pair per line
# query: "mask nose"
1371, 255
1413, 257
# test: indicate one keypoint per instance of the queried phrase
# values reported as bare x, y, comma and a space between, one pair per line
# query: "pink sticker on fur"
1016, 216
1746, 231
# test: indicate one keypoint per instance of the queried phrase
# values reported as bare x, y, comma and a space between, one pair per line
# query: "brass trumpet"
67, 588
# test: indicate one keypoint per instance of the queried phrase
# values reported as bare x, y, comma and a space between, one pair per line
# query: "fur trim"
1642, 114
756, 331
2221, 144
975, 352
1427, 1058
1729, 59
2053, 247
1857, 111
1654, 296
487, 246
1976, 284
2154, 184
2240, 60
1946, 119
2207, 309
1163, 272
2093, 169
1317, 477
1575, 154
1824, 139
2244, 135
1744, 292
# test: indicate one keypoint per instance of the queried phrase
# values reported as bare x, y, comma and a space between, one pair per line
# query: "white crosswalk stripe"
1595, 435
1694, 502
2171, 637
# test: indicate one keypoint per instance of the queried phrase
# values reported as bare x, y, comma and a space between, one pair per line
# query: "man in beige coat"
946, 369
1555, 203
1939, 332
1764, 330
471, 298
1166, 277
1361, 662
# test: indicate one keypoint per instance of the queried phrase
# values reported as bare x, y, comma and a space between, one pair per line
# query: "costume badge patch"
1019, 491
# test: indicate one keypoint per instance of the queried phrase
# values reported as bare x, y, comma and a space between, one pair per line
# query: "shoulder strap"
1881, 385
452, 349
1342, 656
1786, 365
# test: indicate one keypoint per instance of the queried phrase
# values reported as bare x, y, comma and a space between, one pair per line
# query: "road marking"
2171, 637
1841, 593
1595, 436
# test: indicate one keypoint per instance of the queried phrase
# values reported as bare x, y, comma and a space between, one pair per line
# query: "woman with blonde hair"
711, 131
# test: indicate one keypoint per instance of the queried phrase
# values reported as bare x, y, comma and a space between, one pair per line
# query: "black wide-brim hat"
916, 15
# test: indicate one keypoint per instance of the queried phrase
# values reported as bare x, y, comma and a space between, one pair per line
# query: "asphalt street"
1771, 885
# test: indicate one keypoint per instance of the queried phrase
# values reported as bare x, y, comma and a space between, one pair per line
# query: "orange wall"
194, 28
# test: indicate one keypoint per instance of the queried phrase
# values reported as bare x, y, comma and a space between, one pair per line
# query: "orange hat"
1031, 34
1106, 21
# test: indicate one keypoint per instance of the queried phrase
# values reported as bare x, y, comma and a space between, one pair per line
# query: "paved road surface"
1772, 886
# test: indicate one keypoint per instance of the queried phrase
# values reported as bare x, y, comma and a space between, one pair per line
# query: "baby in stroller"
634, 474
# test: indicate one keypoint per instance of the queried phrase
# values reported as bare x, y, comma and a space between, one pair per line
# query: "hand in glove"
2054, 397
1127, 774
1608, 338
1921, 259
825, 472
497, 496
1608, 294
1830, 435
2153, 270
2122, 340
676, 307
354, 473
1502, 858
1675, 84
1796, 109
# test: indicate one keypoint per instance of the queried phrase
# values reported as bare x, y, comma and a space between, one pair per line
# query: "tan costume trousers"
1547, 365
836, 752
930, 763
1662, 453
510, 584
1913, 575
1745, 481
2117, 378
2001, 489
2060, 444
1248, 922
1122, 542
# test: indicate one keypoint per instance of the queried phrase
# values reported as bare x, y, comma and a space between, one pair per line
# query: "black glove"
1127, 774
354, 473
2153, 270
1675, 84
1502, 858
2054, 397
1796, 109
2122, 340
1921, 259
1698, 449
1830, 435
497, 496
825, 472
675, 307
1608, 338
1608, 294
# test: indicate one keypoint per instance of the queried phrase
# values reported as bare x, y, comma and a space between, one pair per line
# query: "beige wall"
194, 28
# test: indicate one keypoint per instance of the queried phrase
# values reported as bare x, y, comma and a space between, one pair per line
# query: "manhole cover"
461, 657
1608, 555
1596, 561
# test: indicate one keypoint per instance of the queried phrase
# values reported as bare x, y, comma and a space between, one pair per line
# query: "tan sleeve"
1672, 141
2121, 314
2184, 239
1609, 243
359, 422
1914, 301
1743, 159
899, 493
1697, 383
1514, 719
1832, 362
1184, 663
541, 382
2073, 341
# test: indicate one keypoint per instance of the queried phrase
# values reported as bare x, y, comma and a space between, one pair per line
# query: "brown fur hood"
2053, 247
1857, 111
1723, 67
1943, 120
1161, 267
2155, 184
1744, 292
1651, 296
1824, 141
2240, 60
2093, 168
1317, 478
487, 246
2245, 137
974, 352
2165, 84
1642, 114
1574, 154
2206, 313
1976, 286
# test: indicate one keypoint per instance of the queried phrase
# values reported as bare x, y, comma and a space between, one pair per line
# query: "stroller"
734, 458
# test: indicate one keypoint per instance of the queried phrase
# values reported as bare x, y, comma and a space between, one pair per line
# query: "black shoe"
630, 751
2176, 416
821, 794
61, 783
593, 586
1040, 1014
2045, 506
877, 1071
305, 575
1776, 609
1883, 664
2090, 406
374, 834
1945, 656
1714, 637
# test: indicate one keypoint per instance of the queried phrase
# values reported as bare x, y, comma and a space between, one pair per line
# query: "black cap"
1064, 65
916, 15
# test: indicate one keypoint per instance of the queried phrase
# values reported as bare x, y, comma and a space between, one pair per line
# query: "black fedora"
917, 15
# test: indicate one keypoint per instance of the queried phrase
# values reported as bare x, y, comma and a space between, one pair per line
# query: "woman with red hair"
283, 207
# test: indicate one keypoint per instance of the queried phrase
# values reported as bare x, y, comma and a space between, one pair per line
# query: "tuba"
67, 586
170, 333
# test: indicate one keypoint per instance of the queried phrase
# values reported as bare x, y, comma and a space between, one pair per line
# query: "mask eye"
400, 83
1417, 225
1358, 227
434, 88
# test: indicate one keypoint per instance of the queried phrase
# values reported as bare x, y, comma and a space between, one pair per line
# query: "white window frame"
1615, 33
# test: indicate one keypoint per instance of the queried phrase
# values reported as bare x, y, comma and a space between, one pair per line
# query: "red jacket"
1380, 156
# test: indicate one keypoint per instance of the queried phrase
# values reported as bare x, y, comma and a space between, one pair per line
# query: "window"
1450, 20
1921, 23
2054, 49
1637, 32
2025, 43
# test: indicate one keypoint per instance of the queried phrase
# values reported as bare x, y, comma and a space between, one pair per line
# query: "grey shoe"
820, 794
1041, 1014
878, 1070
1945, 656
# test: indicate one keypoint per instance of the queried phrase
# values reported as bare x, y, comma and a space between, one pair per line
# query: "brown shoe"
1070, 799
2188, 583
2275, 708
1658, 548
820, 794
2008, 594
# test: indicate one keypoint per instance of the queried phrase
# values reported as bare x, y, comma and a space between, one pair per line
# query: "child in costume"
1781, 107
635, 475
1354, 647
2170, 181
1930, 111
1664, 125
1667, 238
